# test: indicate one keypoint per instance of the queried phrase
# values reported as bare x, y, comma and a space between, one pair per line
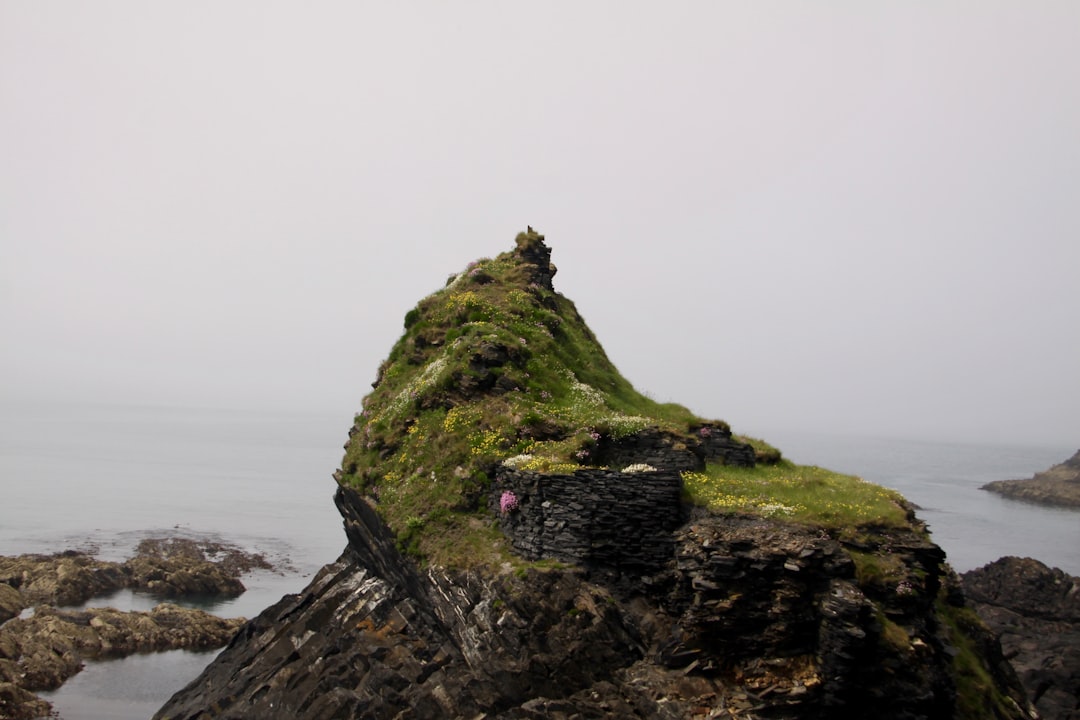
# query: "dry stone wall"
665, 451
599, 518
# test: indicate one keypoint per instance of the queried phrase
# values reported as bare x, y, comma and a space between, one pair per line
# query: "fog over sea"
103, 477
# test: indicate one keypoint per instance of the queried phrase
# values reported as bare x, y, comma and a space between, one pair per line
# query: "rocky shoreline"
1057, 487
42, 648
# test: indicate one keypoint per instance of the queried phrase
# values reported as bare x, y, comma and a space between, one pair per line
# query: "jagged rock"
536, 256
749, 614
1059, 486
1036, 612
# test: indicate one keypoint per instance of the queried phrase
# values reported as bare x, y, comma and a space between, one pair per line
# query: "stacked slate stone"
597, 518
667, 451
716, 443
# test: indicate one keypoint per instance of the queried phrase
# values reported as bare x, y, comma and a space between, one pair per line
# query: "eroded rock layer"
748, 614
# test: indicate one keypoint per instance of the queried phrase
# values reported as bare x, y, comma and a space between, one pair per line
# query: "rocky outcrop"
11, 602
1036, 612
166, 567
667, 451
605, 594
19, 704
1059, 486
42, 651
747, 614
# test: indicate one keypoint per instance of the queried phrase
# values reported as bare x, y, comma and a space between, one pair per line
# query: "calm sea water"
102, 478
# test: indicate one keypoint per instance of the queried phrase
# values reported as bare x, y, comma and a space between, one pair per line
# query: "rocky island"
44, 640
530, 537
1059, 486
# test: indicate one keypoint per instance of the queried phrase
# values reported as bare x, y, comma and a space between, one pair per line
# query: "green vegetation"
495, 368
799, 493
763, 452
977, 694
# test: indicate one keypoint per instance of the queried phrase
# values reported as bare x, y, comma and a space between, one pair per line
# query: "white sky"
835, 216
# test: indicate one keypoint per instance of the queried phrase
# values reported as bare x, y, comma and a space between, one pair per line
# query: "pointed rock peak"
532, 250
494, 370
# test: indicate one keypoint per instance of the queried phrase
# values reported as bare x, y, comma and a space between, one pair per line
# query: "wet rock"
1036, 612
68, 578
166, 567
42, 651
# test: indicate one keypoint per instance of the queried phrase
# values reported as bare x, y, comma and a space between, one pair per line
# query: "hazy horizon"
836, 218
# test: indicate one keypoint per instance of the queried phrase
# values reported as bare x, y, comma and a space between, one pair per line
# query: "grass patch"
977, 694
805, 494
764, 453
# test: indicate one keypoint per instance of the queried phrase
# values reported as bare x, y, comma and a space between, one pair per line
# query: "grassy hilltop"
497, 367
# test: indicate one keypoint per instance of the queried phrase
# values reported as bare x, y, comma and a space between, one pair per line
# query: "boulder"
11, 602
19, 704
1036, 612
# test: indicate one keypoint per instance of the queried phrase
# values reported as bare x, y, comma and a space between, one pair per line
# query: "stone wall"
598, 518
666, 451
716, 443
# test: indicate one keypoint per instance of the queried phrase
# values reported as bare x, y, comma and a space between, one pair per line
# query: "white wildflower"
515, 463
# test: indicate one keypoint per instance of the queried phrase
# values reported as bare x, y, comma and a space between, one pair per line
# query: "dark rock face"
1059, 486
537, 257
747, 615
1036, 612
664, 451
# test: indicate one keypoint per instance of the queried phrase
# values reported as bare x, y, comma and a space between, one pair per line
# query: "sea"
100, 478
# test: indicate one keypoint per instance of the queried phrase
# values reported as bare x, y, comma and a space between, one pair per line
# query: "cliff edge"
530, 537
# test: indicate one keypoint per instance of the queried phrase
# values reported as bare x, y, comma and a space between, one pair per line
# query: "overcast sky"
834, 216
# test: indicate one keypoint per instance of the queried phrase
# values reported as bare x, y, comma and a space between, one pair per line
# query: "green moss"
977, 694
799, 493
490, 367
764, 453
495, 367
878, 573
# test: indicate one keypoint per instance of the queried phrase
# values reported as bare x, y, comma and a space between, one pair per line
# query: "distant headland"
1059, 486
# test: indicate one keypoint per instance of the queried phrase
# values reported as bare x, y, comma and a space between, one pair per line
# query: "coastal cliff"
529, 537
